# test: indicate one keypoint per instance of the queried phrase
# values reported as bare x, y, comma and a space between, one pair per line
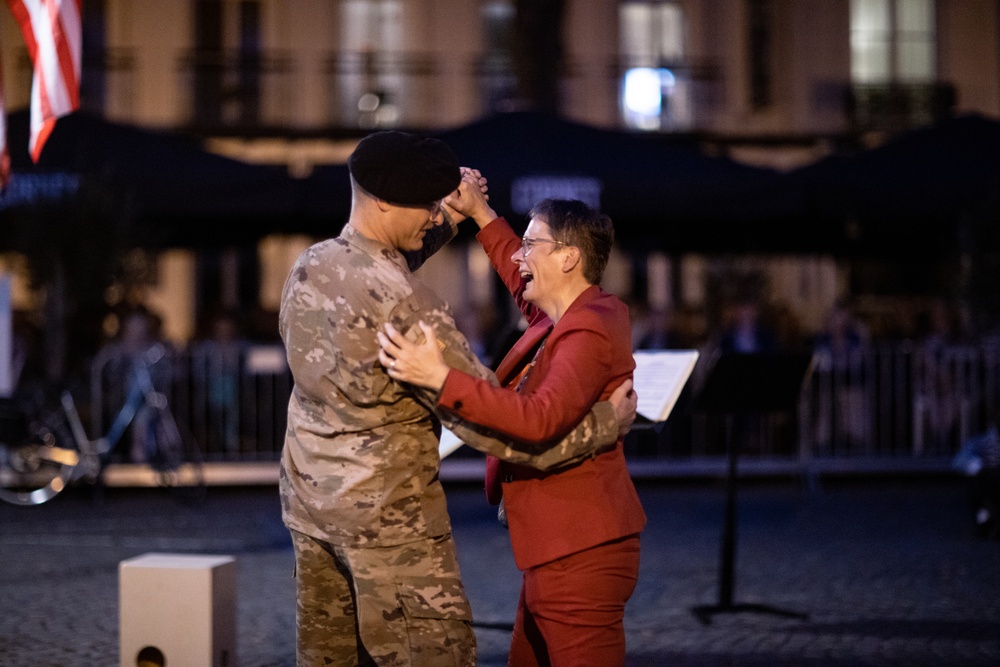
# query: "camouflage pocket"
439, 622
434, 597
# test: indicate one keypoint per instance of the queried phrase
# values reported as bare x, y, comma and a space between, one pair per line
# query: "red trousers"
570, 611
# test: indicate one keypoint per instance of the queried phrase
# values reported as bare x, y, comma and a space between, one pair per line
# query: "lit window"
893, 41
371, 32
498, 80
646, 96
654, 94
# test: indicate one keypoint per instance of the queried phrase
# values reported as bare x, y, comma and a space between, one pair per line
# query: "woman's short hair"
577, 224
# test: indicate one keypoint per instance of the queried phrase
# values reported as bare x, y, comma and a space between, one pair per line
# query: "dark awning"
170, 190
660, 190
915, 193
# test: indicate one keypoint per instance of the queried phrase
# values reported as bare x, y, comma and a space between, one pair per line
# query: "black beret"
403, 168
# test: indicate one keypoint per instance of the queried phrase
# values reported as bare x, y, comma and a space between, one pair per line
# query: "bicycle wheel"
41, 461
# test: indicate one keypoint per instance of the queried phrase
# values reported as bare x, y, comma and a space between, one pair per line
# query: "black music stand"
743, 385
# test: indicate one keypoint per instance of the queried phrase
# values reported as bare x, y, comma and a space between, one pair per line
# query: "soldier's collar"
372, 247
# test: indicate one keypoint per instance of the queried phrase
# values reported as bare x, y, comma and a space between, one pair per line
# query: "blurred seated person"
842, 334
841, 415
937, 372
219, 361
744, 331
139, 347
657, 330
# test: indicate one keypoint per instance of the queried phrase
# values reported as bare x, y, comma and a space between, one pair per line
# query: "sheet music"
658, 379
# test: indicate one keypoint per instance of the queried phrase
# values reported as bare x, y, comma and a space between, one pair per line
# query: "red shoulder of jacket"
596, 308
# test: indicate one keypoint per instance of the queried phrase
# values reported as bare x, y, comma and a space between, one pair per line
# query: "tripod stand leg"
727, 555
727, 551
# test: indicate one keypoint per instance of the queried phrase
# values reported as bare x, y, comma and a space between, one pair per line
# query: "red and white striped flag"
53, 35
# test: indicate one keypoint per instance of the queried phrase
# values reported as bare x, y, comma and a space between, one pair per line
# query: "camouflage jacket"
360, 460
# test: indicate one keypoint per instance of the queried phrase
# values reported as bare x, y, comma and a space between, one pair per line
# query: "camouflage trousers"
385, 606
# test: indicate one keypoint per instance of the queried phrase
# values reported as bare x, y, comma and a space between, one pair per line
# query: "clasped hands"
470, 199
422, 364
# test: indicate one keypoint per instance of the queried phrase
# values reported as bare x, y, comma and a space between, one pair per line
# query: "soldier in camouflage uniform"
377, 576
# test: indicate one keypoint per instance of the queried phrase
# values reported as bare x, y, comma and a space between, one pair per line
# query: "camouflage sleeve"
435, 239
596, 432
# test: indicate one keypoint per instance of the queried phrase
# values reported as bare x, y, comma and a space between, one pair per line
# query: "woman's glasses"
528, 244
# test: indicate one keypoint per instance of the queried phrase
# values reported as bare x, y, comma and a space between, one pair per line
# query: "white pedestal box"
177, 608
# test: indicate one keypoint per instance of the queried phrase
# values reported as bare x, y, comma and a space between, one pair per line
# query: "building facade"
301, 69
777, 83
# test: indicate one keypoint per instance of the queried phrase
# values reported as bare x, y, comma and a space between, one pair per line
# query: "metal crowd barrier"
905, 400
891, 404
229, 400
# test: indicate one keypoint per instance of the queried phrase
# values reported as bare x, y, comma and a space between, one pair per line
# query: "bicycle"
41, 466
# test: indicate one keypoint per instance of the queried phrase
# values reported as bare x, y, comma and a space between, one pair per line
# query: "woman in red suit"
574, 531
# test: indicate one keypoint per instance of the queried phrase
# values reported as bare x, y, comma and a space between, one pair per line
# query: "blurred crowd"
214, 360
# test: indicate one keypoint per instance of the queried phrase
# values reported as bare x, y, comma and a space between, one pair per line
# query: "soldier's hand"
624, 401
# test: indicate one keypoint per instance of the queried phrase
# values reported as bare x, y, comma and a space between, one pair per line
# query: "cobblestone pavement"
889, 573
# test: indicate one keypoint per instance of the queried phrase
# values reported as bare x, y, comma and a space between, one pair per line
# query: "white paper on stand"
449, 442
658, 379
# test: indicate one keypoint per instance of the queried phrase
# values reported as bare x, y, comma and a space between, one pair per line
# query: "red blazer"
586, 355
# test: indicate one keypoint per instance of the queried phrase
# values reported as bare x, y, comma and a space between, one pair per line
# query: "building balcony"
236, 91
279, 93
895, 107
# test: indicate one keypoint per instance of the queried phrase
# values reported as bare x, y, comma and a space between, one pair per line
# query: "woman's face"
540, 261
